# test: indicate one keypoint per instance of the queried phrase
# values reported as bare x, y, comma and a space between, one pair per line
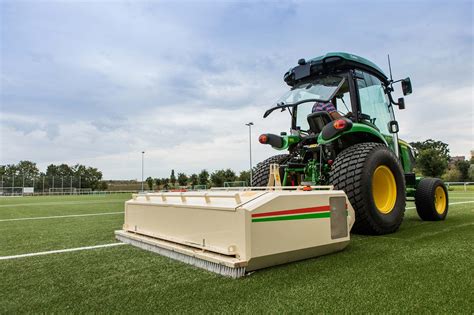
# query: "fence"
235, 184
49, 185
463, 185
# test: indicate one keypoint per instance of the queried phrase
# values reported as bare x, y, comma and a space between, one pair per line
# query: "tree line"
203, 178
432, 160
78, 176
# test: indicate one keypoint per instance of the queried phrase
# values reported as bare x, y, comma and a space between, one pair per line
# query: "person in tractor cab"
326, 107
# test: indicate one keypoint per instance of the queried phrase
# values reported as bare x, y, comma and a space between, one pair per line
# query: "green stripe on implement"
295, 217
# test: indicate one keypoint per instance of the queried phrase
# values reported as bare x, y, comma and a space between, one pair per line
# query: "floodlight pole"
250, 124
143, 161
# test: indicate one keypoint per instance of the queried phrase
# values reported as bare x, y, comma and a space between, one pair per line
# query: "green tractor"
355, 148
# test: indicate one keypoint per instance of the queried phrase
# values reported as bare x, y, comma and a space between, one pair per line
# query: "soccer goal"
199, 187
235, 184
11, 191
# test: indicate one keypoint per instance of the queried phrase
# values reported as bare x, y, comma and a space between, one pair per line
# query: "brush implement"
233, 232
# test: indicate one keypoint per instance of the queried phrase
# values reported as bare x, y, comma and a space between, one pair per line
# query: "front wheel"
431, 199
372, 178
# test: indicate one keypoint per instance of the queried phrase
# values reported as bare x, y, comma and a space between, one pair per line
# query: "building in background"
454, 159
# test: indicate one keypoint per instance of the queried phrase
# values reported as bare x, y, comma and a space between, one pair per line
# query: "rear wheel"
431, 199
371, 176
262, 171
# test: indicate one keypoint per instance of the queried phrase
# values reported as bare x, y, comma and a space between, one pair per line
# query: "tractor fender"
355, 128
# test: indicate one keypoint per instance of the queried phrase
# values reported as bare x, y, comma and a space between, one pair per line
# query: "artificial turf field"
425, 267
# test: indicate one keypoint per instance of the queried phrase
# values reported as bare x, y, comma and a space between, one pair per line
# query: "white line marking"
61, 216
452, 203
60, 251
61, 203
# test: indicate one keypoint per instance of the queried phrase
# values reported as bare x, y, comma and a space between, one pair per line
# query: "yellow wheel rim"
440, 200
384, 189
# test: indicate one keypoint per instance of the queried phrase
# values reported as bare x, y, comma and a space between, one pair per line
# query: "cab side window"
373, 102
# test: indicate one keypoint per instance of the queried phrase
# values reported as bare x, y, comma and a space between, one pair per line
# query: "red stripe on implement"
294, 211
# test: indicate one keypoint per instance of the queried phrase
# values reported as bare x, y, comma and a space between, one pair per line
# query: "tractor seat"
318, 120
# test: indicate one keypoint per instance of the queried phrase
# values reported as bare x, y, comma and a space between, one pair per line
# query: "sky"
98, 82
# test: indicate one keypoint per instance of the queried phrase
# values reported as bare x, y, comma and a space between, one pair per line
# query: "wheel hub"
384, 189
440, 200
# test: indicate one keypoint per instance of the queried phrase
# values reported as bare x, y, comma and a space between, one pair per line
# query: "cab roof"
334, 60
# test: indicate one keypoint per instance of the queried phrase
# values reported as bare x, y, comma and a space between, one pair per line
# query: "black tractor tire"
262, 170
431, 199
354, 171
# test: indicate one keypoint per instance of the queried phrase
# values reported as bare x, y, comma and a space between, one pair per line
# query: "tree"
166, 183
52, 170
64, 170
149, 182
9, 170
203, 177
182, 179
452, 175
103, 185
229, 175
244, 176
218, 178
430, 163
471, 173
433, 157
158, 183
173, 178
194, 180
60, 170
440, 147
27, 168
92, 178
463, 168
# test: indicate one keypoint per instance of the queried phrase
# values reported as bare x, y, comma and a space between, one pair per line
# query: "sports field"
425, 267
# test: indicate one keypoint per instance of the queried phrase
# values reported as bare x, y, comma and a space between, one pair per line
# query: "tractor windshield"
319, 89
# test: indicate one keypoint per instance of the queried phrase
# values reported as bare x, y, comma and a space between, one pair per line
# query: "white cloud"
441, 113
97, 84
172, 138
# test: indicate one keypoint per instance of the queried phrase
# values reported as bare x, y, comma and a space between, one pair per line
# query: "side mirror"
406, 86
393, 126
401, 103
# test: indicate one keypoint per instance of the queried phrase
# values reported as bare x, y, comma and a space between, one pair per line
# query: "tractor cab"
357, 88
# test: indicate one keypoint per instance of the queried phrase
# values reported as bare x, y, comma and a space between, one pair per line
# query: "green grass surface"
424, 267
461, 187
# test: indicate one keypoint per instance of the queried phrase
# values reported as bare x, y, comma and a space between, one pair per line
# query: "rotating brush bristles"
194, 261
